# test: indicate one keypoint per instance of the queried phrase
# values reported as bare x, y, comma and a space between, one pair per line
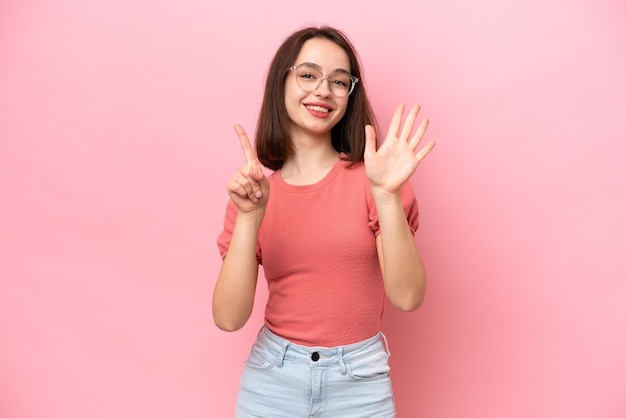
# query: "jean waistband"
320, 356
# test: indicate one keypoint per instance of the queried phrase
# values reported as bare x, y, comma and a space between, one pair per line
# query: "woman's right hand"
248, 188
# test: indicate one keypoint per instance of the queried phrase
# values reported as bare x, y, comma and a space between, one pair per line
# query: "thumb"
370, 140
255, 171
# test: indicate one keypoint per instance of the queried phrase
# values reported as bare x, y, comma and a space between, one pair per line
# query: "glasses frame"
354, 80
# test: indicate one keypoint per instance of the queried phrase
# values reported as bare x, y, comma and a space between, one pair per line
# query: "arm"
233, 297
388, 168
400, 262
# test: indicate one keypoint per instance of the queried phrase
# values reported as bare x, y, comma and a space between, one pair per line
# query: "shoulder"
352, 169
353, 175
273, 175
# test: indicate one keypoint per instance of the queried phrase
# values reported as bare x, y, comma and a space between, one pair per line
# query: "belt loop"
386, 344
281, 356
344, 369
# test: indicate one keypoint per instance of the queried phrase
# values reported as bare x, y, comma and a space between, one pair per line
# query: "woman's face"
316, 112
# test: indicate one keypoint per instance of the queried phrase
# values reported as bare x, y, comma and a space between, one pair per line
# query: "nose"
323, 89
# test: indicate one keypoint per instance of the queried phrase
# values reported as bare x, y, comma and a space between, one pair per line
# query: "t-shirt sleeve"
223, 239
409, 203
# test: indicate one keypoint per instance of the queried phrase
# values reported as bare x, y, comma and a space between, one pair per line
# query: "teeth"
318, 109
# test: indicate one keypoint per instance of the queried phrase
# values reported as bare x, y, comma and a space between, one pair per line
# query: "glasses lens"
309, 78
340, 84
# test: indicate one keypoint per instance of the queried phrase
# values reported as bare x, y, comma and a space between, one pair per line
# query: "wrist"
382, 195
252, 218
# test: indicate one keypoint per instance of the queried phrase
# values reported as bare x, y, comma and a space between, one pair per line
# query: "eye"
341, 81
307, 75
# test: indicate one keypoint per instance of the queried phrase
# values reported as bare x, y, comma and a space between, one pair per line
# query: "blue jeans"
286, 380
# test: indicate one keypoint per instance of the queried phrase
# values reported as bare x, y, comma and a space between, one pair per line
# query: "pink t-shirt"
317, 246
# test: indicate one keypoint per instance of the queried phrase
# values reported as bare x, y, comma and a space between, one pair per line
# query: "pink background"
116, 142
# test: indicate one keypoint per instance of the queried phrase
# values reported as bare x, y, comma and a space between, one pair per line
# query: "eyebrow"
336, 70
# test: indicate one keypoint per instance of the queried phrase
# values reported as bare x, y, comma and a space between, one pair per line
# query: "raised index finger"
245, 143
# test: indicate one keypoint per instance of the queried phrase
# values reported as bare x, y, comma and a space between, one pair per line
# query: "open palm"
391, 165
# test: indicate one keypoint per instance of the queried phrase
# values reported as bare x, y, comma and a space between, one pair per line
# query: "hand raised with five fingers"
389, 167
248, 188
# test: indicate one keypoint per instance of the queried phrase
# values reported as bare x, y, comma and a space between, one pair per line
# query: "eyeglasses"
309, 77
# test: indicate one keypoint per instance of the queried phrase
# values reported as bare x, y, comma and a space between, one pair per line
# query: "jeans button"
315, 356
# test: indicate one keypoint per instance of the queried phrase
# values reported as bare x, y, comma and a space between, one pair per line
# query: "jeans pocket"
261, 358
372, 367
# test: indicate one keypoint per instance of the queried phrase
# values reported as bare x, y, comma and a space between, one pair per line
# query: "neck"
309, 165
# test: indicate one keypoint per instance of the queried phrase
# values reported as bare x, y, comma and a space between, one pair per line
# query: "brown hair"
273, 144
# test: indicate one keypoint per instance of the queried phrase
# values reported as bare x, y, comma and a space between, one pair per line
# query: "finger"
409, 122
424, 151
235, 188
244, 187
396, 119
370, 140
253, 170
419, 133
252, 175
245, 143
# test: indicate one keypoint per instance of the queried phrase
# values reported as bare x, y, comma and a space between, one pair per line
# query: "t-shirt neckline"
280, 182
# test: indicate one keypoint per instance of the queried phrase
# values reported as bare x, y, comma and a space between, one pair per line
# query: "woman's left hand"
390, 166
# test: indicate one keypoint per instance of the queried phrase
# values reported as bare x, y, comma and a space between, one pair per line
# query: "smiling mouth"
318, 109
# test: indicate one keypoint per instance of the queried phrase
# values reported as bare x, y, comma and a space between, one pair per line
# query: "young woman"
332, 227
